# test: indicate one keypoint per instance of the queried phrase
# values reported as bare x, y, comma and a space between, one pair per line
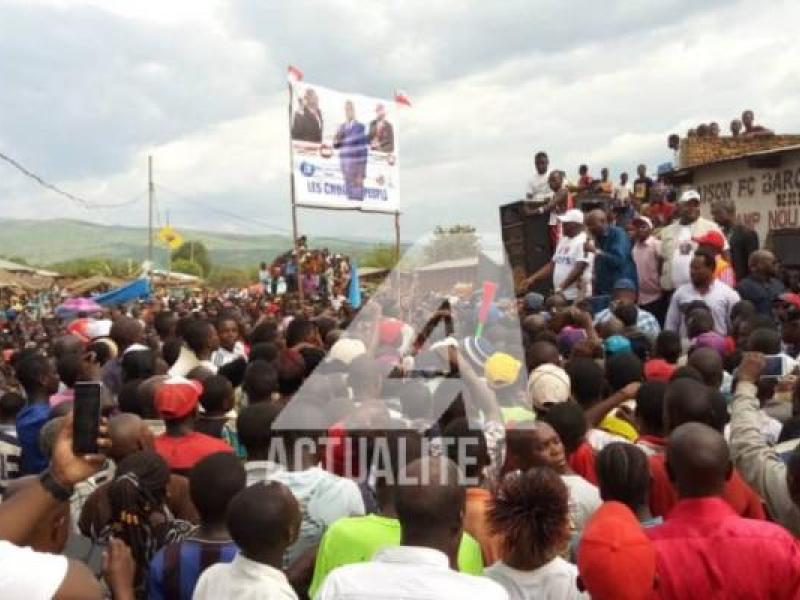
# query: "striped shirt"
175, 568
9, 455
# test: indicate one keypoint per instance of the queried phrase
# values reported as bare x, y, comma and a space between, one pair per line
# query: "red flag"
294, 74
402, 98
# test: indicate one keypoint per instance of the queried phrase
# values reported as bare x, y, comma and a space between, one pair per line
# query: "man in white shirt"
677, 245
719, 297
539, 186
263, 519
571, 266
430, 505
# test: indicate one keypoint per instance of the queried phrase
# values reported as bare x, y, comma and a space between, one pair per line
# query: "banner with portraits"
344, 150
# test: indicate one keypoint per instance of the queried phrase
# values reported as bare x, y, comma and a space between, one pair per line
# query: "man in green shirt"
356, 539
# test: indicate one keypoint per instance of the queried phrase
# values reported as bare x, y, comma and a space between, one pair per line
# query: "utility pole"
150, 197
169, 253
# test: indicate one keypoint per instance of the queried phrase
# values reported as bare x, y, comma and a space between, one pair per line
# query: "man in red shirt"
685, 401
181, 446
704, 549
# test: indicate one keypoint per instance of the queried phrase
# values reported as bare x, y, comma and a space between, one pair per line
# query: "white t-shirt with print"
682, 260
569, 252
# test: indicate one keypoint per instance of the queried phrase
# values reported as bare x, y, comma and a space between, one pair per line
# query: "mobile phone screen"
86, 418
773, 366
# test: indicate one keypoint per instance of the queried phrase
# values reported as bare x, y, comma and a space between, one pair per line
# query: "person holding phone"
28, 573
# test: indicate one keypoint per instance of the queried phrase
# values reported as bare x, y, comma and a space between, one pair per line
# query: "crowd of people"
320, 273
627, 431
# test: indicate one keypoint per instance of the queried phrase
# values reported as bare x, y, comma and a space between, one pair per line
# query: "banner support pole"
295, 234
397, 236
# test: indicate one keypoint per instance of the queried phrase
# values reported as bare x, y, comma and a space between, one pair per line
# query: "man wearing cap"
625, 293
646, 254
611, 248
714, 241
616, 561
570, 266
548, 385
760, 286
743, 241
676, 240
181, 446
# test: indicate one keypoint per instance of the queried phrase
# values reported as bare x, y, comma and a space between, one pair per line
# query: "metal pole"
150, 195
295, 234
397, 236
169, 254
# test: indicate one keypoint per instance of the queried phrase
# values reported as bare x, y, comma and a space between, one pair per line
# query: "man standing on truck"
677, 245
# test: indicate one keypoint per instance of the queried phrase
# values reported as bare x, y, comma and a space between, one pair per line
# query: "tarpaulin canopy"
139, 288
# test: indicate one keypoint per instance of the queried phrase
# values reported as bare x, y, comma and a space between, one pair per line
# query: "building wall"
766, 199
697, 151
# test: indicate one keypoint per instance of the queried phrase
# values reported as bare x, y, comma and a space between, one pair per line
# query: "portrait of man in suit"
351, 142
307, 124
381, 132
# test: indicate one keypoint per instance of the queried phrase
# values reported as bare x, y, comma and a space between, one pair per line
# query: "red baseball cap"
793, 299
616, 560
177, 397
658, 369
712, 238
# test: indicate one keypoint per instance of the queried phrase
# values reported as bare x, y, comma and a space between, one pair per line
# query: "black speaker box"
526, 239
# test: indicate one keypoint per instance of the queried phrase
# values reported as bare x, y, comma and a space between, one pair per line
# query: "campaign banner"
344, 149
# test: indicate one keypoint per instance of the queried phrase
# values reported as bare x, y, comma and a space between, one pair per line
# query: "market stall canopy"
13, 267
11, 280
134, 290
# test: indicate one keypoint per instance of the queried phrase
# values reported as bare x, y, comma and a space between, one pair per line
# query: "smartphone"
773, 366
86, 417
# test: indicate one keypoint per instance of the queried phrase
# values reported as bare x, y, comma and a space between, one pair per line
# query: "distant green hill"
52, 241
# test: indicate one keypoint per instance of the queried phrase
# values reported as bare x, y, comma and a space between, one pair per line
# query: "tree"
382, 257
194, 252
91, 266
458, 241
184, 265
225, 277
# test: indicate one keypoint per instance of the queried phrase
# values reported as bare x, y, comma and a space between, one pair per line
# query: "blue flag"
354, 290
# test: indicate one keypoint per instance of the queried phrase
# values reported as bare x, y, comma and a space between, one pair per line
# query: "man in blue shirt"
625, 294
612, 251
175, 569
37, 376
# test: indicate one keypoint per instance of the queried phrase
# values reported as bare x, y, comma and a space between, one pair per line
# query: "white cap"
689, 195
644, 220
573, 215
548, 385
346, 349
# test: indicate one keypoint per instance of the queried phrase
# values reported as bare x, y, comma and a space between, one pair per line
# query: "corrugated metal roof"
718, 161
456, 263
18, 268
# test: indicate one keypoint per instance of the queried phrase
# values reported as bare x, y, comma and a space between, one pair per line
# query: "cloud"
91, 88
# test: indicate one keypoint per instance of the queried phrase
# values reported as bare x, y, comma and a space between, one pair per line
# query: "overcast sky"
91, 87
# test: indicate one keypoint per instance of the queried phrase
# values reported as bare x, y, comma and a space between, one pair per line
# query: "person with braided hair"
624, 475
140, 516
530, 512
